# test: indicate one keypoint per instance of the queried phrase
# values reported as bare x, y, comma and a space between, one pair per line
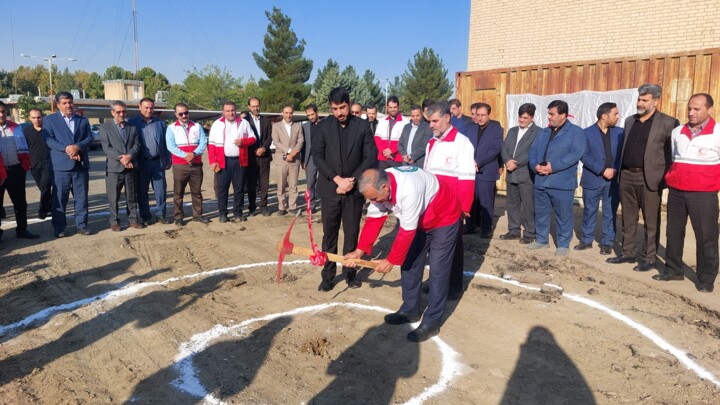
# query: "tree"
6, 83
91, 83
117, 73
26, 103
377, 98
250, 89
283, 63
207, 89
153, 80
330, 80
349, 79
426, 77
63, 81
33, 80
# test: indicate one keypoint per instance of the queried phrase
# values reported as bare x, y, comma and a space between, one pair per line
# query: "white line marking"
189, 382
125, 290
644, 330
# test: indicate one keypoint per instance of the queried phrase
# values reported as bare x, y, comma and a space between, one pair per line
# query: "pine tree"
330, 80
377, 97
283, 63
426, 77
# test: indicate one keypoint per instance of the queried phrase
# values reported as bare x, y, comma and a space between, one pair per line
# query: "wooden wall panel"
680, 76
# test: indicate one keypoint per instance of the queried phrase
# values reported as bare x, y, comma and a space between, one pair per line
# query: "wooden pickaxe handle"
307, 252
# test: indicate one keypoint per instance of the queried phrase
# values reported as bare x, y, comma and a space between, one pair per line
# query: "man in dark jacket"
343, 147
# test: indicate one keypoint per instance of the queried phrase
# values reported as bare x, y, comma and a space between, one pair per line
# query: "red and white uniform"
384, 138
419, 201
187, 141
695, 161
221, 142
452, 159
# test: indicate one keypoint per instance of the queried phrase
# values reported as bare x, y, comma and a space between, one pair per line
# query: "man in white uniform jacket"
430, 219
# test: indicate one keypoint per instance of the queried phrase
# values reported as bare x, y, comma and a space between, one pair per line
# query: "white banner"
582, 106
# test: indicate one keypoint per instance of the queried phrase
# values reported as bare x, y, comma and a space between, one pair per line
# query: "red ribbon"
319, 258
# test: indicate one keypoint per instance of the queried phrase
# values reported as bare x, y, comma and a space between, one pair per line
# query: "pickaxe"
286, 247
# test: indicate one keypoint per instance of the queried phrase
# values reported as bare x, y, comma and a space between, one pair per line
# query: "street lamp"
49, 61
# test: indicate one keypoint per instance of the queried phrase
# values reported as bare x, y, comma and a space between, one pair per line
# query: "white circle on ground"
189, 382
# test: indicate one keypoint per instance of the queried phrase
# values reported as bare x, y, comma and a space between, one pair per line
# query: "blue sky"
175, 35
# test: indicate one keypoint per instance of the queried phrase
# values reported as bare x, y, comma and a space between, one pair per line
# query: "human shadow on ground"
225, 368
544, 374
25, 262
141, 312
362, 372
41, 294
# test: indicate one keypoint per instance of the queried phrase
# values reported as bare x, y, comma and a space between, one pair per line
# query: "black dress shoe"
167, 221
223, 219
354, 283
605, 249
25, 235
43, 215
202, 220
399, 318
179, 222
423, 333
526, 240
60, 234
265, 211
644, 266
84, 231
282, 212
454, 295
510, 236
486, 235
620, 259
705, 287
326, 285
668, 277
582, 246
252, 212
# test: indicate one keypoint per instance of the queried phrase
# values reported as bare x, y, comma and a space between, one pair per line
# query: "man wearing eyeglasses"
121, 146
186, 141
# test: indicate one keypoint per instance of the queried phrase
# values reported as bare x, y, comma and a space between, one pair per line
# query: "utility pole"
49, 60
137, 62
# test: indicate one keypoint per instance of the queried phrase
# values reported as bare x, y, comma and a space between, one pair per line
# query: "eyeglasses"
120, 112
184, 113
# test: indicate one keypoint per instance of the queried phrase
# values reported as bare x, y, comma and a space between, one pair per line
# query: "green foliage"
63, 81
377, 97
6, 83
26, 103
250, 89
426, 77
91, 83
207, 89
153, 80
117, 73
283, 63
30, 79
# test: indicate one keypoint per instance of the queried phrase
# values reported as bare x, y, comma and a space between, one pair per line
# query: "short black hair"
232, 103
562, 107
605, 108
485, 106
339, 95
144, 99
370, 107
708, 99
2, 104
415, 107
311, 106
63, 95
427, 103
455, 102
393, 99
527, 108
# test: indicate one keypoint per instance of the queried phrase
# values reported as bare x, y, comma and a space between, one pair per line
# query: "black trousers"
43, 180
520, 208
114, 184
636, 197
702, 208
233, 174
259, 172
15, 186
348, 209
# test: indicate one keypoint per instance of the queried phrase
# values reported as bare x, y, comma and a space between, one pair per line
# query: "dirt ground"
140, 316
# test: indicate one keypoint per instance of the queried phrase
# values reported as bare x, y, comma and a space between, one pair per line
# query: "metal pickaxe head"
287, 247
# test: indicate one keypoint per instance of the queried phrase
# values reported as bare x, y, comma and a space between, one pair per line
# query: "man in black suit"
308, 163
343, 147
260, 158
514, 153
122, 147
40, 166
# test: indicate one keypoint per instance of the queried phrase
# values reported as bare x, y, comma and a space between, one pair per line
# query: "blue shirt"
150, 132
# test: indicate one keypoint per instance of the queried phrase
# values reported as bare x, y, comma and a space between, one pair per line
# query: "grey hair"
652, 89
116, 103
443, 107
373, 178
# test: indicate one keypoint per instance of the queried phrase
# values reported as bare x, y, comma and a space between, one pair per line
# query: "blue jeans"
609, 194
151, 171
561, 203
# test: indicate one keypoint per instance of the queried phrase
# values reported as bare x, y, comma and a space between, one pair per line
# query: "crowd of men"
435, 169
